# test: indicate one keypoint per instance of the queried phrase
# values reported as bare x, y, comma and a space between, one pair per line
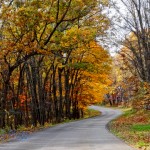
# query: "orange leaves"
47, 88
22, 98
95, 75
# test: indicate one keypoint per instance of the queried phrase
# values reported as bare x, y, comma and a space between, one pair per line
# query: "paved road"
88, 134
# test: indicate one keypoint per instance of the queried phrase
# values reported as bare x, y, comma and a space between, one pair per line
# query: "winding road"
88, 134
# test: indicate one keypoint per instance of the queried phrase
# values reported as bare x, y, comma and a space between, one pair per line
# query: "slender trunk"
60, 94
54, 84
32, 90
67, 92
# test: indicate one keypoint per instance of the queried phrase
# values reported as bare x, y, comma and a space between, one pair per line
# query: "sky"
116, 33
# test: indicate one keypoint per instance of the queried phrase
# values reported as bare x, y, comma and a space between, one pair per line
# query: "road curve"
88, 134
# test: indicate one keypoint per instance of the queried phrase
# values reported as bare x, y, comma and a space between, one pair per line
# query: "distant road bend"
88, 134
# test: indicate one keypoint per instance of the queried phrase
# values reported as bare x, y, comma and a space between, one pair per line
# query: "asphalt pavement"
87, 134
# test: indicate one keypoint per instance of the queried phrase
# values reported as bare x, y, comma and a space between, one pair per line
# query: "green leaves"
81, 65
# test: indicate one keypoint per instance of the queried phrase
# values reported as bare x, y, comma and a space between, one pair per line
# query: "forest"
51, 66
131, 65
54, 62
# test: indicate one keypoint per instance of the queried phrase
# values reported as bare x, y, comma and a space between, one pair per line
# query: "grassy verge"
133, 127
23, 132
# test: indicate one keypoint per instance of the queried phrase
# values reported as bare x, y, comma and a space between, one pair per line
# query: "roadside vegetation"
131, 74
133, 127
131, 95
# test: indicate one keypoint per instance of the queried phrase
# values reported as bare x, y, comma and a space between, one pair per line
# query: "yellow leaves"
78, 4
38, 18
96, 76
105, 2
92, 93
70, 37
76, 36
51, 19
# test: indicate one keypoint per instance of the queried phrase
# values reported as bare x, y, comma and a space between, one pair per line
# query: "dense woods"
53, 63
130, 88
51, 66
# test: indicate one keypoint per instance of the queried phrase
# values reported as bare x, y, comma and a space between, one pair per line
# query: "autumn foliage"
51, 66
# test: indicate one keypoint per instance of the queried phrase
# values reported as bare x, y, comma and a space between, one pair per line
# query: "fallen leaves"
133, 127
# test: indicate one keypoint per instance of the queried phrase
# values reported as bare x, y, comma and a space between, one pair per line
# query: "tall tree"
38, 41
136, 22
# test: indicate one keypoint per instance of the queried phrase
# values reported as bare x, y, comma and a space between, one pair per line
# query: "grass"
128, 112
133, 127
91, 113
141, 127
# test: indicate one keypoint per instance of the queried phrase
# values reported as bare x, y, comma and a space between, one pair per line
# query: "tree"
39, 40
124, 78
136, 22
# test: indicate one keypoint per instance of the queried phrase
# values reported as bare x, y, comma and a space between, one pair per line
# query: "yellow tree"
96, 74
32, 28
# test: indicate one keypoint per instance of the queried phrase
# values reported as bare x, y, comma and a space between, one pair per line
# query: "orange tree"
34, 56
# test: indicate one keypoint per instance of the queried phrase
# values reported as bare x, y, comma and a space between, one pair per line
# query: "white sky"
118, 33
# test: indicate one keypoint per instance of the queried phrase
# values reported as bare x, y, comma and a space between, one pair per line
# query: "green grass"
128, 112
142, 144
141, 127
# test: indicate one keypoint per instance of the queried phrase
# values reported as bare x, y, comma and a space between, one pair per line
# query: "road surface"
88, 134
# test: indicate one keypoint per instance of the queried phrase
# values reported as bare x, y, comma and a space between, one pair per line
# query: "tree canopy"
51, 66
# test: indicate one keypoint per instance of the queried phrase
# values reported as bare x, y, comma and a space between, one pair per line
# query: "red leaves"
22, 98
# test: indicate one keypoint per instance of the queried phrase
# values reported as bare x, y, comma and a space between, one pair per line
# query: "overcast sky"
116, 33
